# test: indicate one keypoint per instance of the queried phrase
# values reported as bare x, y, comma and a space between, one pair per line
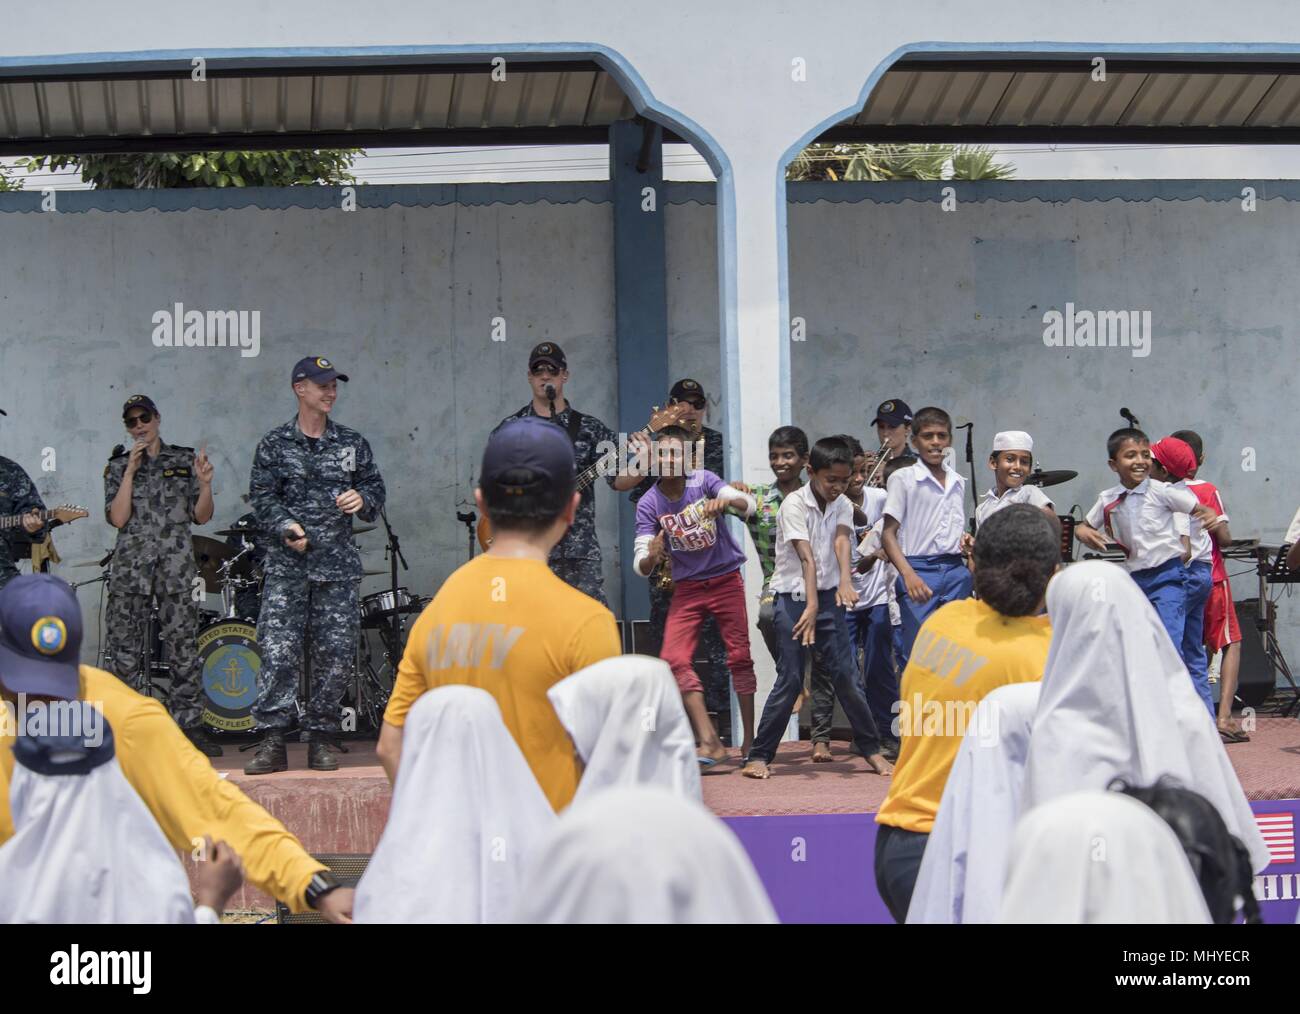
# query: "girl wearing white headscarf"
1117, 703
466, 813
85, 848
964, 866
1100, 857
626, 719
642, 855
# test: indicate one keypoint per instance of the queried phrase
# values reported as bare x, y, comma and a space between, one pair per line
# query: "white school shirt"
868, 586
1202, 551
1293, 531
931, 518
800, 518
1144, 522
992, 503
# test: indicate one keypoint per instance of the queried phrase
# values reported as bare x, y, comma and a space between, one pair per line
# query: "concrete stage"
820, 810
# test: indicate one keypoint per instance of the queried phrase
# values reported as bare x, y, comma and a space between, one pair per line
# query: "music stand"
1275, 572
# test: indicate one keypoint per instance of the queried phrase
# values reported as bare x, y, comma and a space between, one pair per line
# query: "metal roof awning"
324, 105
1006, 99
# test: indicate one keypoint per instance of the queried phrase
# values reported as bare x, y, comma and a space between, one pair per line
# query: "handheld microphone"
550, 392
118, 449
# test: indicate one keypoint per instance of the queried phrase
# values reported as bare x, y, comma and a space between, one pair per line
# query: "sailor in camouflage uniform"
152, 493
310, 476
17, 496
716, 677
576, 558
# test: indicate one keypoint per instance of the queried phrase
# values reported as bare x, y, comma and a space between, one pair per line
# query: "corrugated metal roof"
48, 112
1005, 98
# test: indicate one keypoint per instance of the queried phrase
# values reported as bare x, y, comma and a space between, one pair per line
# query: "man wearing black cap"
151, 495
716, 677
893, 424
17, 496
310, 476
40, 643
576, 560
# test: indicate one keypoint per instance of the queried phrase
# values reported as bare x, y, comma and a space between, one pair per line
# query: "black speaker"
347, 869
1256, 677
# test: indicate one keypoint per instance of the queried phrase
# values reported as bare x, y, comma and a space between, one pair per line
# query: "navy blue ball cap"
317, 369
68, 753
686, 388
547, 352
40, 637
893, 413
139, 401
533, 444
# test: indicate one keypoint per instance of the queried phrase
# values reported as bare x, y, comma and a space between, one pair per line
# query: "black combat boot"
270, 756
321, 754
197, 736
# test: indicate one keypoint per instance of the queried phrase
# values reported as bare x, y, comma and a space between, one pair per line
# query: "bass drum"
231, 663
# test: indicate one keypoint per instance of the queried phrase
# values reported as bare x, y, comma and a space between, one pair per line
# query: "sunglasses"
145, 417
544, 371
695, 403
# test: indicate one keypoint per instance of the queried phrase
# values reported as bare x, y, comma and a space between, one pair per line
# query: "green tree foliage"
858, 162
303, 167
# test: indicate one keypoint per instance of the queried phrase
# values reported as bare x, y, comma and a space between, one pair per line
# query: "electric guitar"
55, 516
659, 418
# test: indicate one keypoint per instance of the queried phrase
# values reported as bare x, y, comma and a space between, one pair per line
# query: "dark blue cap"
531, 443
317, 369
67, 754
139, 401
893, 413
40, 637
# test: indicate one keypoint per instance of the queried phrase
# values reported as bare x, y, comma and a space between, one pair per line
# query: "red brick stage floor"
344, 810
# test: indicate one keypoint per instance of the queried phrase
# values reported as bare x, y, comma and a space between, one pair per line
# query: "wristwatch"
321, 884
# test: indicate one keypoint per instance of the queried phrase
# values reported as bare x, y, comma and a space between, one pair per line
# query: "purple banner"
819, 868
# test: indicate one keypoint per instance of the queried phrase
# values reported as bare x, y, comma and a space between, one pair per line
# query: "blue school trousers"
947, 577
1198, 580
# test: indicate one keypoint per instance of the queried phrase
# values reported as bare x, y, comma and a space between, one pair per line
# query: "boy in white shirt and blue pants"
925, 528
1138, 515
812, 585
1012, 461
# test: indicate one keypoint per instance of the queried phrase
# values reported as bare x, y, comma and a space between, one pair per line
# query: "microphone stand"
970, 467
468, 519
394, 557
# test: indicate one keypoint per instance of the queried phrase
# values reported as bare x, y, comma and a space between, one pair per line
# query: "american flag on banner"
1278, 830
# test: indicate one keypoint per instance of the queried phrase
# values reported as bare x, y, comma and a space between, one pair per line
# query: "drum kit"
229, 657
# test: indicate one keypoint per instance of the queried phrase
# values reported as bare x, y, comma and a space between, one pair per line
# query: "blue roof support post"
636, 172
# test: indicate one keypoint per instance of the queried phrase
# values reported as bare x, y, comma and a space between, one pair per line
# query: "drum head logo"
231, 663
49, 635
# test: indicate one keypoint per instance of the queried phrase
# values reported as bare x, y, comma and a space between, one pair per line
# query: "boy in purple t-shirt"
679, 516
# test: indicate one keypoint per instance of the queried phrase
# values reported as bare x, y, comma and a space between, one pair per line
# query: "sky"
681, 162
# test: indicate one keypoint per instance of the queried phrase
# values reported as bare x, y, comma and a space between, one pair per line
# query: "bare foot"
822, 753
879, 765
756, 769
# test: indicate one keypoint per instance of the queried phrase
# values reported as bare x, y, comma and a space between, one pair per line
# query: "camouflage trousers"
327, 613
586, 575
715, 677
178, 627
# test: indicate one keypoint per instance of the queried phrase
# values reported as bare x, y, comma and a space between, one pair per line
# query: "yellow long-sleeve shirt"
183, 791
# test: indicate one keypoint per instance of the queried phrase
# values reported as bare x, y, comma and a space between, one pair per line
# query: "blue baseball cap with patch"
40, 637
531, 444
317, 369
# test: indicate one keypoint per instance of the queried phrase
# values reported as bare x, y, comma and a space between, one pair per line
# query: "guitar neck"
15, 520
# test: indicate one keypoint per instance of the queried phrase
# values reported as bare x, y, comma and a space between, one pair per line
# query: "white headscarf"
86, 849
626, 718
466, 813
965, 862
1117, 702
642, 855
1099, 857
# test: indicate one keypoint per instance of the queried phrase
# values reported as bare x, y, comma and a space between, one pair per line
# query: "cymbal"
89, 563
210, 554
362, 529
234, 531
1054, 478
